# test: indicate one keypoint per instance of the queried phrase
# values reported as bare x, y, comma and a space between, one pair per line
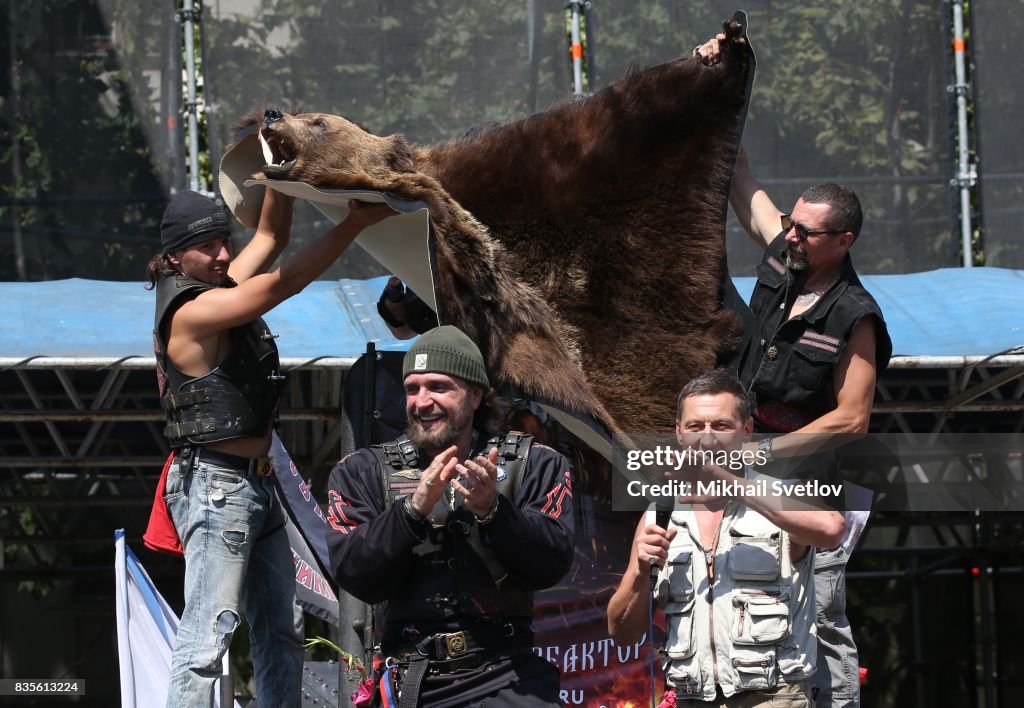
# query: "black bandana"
191, 218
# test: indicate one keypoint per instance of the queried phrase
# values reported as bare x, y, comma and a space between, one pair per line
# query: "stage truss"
81, 449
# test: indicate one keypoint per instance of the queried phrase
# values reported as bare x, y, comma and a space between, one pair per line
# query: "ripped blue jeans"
237, 562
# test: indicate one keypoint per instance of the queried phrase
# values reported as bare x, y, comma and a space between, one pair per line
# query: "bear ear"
399, 154
246, 125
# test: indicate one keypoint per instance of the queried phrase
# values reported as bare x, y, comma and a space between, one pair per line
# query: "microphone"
663, 511
663, 507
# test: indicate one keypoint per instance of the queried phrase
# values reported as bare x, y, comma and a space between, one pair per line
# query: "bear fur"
582, 248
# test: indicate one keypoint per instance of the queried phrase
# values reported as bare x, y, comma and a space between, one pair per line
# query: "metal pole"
12, 46
576, 48
984, 632
189, 15
966, 176
227, 685
920, 685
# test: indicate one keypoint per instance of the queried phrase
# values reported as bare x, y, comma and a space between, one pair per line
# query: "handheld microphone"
663, 506
663, 511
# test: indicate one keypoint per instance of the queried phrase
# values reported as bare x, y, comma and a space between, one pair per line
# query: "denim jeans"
237, 561
837, 680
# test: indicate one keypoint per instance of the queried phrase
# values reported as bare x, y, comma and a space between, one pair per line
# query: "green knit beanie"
446, 350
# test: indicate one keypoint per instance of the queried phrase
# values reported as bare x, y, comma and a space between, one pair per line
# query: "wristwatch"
764, 445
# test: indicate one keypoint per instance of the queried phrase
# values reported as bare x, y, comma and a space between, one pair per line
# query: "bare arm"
821, 528
754, 209
272, 235
808, 523
629, 610
854, 383
219, 309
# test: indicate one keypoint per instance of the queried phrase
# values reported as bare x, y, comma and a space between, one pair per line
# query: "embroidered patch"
420, 362
819, 345
407, 474
822, 338
501, 474
779, 268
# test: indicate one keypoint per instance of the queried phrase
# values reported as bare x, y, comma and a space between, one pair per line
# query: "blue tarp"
99, 318
948, 312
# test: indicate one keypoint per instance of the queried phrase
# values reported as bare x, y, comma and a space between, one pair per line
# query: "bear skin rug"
583, 248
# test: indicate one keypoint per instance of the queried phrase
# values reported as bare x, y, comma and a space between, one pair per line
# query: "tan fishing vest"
754, 627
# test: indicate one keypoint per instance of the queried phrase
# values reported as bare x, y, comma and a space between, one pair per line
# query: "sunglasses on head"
802, 232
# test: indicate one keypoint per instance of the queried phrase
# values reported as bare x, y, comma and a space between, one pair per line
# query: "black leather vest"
237, 399
457, 580
789, 363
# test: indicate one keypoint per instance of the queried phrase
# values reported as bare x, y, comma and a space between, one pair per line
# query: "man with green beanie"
453, 528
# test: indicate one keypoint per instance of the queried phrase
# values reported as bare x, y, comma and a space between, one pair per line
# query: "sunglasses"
802, 232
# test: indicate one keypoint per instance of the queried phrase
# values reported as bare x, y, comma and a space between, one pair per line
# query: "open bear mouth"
278, 155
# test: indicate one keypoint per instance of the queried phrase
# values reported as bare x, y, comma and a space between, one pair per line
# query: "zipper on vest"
711, 623
763, 664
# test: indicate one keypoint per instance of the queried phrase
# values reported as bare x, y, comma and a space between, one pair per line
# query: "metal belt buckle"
455, 644
262, 466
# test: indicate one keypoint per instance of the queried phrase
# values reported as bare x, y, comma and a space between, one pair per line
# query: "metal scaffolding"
86, 433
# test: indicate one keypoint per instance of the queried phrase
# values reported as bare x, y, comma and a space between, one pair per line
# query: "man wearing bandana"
220, 385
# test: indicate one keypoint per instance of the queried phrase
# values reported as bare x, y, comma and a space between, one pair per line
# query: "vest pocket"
815, 363
686, 683
759, 619
754, 558
680, 577
681, 643
755, 670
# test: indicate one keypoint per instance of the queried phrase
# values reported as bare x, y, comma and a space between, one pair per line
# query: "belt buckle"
455, 644
262, 466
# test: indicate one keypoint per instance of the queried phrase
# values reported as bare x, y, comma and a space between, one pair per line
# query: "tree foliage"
88, 193
852, 92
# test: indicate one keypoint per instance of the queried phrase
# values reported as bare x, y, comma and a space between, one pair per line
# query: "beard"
796, 265
444, 434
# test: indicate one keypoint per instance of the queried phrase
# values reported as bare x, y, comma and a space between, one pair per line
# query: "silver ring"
428, 482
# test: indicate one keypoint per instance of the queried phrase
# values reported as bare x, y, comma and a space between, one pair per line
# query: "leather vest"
457, 580
789, 363
239, 398
753, 627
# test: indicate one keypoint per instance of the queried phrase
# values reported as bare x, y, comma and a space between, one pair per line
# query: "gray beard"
795, 266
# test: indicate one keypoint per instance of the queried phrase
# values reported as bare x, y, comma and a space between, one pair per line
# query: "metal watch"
764, 445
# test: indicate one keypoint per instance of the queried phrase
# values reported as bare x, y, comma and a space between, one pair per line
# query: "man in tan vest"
734, 573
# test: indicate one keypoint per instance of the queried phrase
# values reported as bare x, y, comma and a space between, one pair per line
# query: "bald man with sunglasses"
818, 344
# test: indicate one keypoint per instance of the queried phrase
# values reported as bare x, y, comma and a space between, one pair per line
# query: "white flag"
146, 628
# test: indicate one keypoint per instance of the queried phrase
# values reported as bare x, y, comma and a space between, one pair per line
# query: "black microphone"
663, 511
663, 507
